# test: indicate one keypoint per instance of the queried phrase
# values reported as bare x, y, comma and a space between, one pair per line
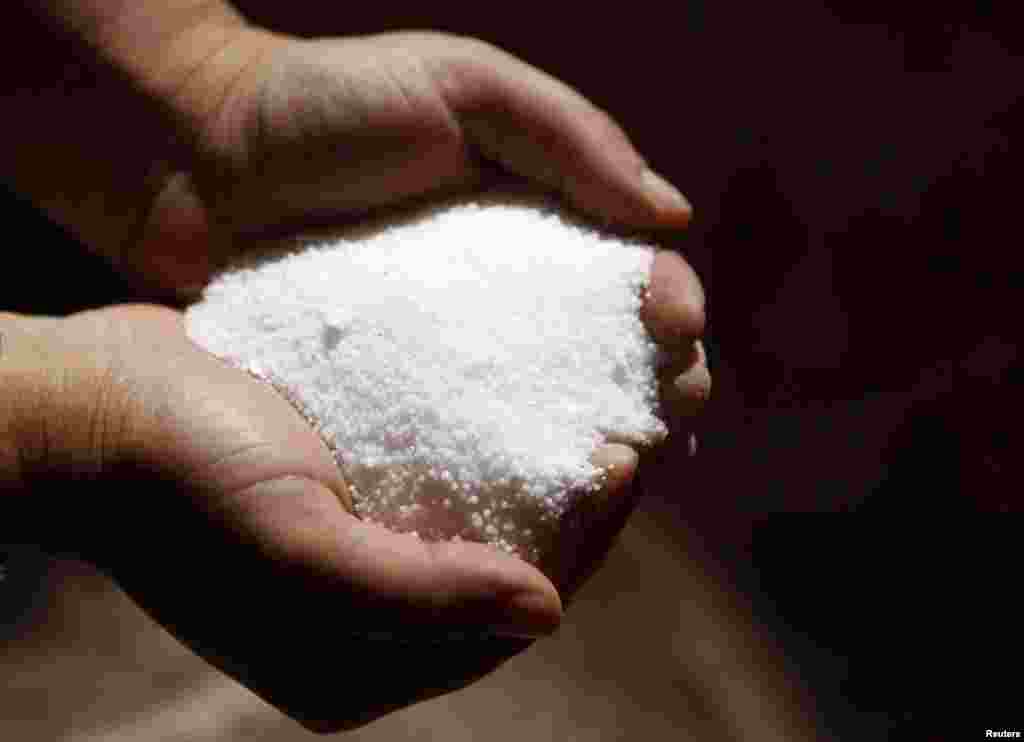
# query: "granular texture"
463, 363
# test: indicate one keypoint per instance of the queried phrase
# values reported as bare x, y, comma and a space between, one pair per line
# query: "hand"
216, 506
313, 132
233, 535
222, 130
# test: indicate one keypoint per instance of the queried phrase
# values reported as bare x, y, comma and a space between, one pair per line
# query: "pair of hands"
200, 489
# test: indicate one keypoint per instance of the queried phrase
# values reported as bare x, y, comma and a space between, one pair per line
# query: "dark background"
857, 219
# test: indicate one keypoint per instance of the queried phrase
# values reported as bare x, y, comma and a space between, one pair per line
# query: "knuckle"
694, 385
605, 128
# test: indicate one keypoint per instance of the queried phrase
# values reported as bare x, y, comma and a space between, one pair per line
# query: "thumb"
396, 582
285, 590
538, 127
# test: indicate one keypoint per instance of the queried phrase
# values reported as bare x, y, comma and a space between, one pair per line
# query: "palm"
266, 585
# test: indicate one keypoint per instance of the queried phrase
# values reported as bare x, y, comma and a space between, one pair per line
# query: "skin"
199, 488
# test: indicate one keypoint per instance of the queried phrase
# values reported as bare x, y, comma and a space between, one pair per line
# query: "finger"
684, 384
540, 128
673, 305
593, 523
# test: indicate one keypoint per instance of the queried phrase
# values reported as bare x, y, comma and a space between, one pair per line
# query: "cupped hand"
200, 489
213, 503
289, 133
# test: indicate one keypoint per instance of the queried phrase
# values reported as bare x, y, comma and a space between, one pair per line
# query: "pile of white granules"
463, 363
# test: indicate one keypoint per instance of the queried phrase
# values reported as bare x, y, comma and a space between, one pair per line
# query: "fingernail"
665, 195
530, 615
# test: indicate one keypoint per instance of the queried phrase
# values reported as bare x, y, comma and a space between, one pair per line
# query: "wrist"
113, 105
52, 418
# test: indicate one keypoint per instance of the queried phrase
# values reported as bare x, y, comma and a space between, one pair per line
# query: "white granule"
463, 363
